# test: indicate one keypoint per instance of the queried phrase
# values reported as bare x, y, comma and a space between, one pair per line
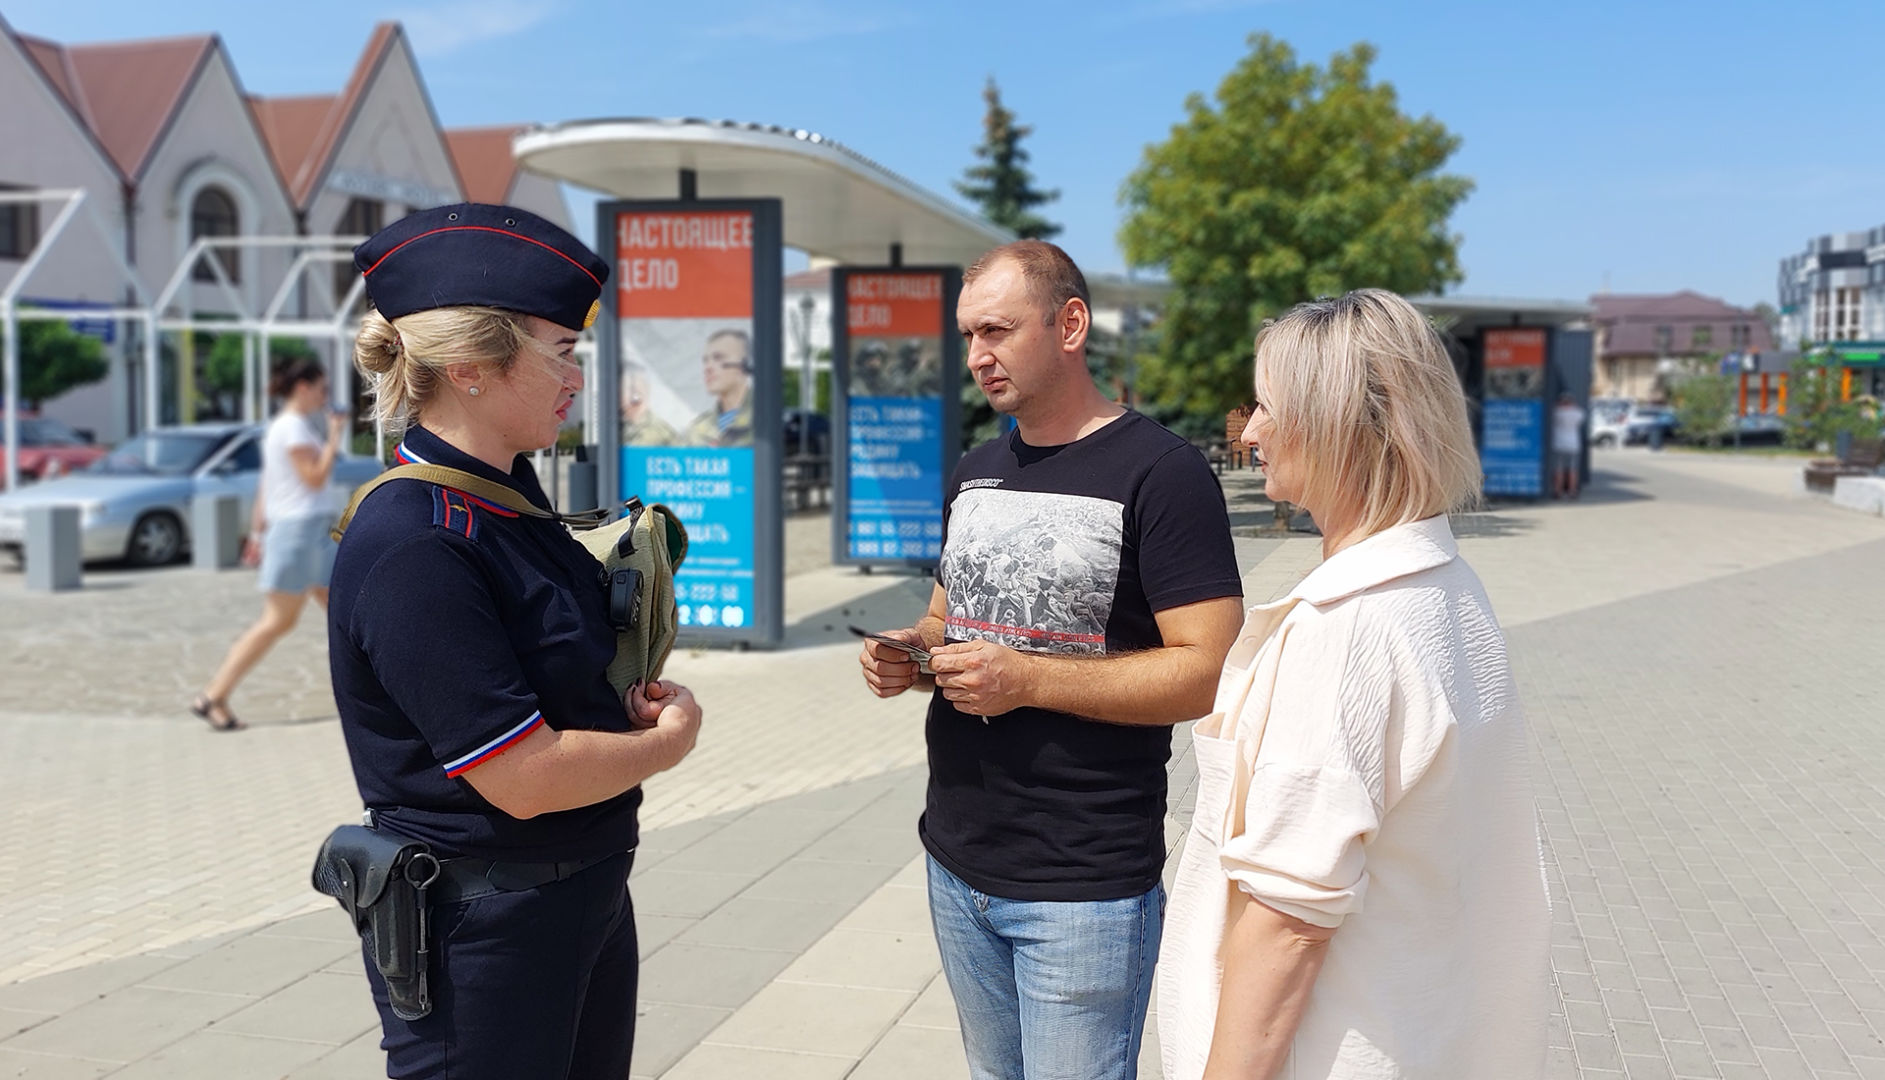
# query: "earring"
474, 391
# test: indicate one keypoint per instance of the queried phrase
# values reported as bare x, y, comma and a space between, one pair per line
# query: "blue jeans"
1047, 990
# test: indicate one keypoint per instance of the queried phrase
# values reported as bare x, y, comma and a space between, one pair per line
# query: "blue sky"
1650, 146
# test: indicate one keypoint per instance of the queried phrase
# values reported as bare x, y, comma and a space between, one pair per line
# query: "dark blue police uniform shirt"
455, 629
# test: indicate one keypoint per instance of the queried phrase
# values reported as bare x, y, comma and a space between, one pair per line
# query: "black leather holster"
380, 879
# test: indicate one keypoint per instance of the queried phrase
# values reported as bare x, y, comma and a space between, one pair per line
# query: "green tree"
222, 363
1000, 184
1298, 181
1815, 415
1703, 404
55, 358
1812, 396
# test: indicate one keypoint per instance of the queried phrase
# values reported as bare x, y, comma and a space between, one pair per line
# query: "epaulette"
461, 513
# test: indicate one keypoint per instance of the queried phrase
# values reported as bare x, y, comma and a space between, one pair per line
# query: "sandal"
216, 714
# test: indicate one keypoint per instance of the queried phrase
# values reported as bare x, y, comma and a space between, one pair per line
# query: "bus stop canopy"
1462, 315
839, 204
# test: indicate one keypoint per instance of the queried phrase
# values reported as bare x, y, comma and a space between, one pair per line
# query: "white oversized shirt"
285, 495
1367, 768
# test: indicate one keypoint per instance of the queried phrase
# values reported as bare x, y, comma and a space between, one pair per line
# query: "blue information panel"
896, 472
691, 339
711, 491
897, 391
1513, 447
1512, 443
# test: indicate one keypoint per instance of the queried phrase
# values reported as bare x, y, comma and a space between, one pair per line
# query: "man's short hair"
745, 340
746, 345
1050, 273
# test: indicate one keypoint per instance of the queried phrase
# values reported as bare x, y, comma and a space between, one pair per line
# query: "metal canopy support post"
248, 378
690, 185
896, 254
257, 330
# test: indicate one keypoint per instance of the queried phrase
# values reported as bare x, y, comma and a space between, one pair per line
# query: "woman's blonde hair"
1362, 389
404, 360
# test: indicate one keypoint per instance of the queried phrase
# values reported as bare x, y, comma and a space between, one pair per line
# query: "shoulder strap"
460, 480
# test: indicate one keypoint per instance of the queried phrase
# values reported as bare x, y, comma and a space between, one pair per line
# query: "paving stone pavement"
1690, 640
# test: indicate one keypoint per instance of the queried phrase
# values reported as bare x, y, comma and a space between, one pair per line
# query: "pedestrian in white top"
1567, 446
288, 531
1360, 894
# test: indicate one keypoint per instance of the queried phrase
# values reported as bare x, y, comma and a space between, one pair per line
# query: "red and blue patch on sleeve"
462, 765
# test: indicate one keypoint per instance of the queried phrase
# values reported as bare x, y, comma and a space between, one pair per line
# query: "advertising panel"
1512, 447
896, 395
698, 375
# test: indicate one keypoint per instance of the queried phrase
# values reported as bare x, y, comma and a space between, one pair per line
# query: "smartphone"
916, 652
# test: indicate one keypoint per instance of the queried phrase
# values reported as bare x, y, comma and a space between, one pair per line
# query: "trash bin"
215, 532
52, 551
582, 482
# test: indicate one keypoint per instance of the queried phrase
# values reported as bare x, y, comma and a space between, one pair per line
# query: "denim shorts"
297, 554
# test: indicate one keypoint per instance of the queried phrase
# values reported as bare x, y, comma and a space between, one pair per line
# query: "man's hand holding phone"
893, 661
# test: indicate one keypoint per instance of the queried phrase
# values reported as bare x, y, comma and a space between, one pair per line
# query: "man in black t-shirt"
1087, 596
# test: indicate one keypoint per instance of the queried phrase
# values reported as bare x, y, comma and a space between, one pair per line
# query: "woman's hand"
252, 549
336, 426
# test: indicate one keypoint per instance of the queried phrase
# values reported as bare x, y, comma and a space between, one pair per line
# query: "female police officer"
468, 647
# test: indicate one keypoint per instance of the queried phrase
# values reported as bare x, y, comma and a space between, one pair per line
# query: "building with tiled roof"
1641, 336
490, 173
169, 147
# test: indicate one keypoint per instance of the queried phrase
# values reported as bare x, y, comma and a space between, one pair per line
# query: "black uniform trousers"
538, 983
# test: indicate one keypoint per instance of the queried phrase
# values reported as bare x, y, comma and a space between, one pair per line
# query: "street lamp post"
808, 386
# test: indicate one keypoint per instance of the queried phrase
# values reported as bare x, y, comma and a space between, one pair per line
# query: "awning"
1849, 354
839, 204
1468, 313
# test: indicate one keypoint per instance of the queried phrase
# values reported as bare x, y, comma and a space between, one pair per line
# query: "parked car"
134, 503
1761, 429
1645, 419
50, 448
1609, 421
813, 427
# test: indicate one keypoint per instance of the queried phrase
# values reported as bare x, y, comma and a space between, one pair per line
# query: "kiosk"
1514, 358
897, 363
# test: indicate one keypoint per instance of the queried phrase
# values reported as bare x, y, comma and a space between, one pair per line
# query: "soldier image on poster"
641, 425
1522, 383
686, 382
896, 367
726, 366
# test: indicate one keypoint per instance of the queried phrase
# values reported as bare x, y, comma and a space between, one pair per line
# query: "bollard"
582, 482
52, 548
215, 532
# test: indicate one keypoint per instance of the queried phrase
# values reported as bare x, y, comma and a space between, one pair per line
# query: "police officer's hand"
889, 671
665, 706
980, 677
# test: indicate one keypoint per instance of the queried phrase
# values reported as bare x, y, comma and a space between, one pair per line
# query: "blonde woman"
470, 647
1360, 893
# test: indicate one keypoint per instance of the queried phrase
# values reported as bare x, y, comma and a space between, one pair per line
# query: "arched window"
213, 213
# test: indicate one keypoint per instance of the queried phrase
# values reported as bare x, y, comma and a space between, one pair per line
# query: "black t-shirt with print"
1070, 550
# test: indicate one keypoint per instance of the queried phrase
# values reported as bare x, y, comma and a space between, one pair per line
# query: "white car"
1610, 421
134, 503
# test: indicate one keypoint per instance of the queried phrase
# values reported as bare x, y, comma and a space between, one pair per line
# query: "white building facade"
1834, 291
169, 147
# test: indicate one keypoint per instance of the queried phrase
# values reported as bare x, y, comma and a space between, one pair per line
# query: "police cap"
475, 254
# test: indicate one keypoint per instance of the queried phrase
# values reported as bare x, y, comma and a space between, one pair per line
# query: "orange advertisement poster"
894, 305
684, 264
1515, 348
